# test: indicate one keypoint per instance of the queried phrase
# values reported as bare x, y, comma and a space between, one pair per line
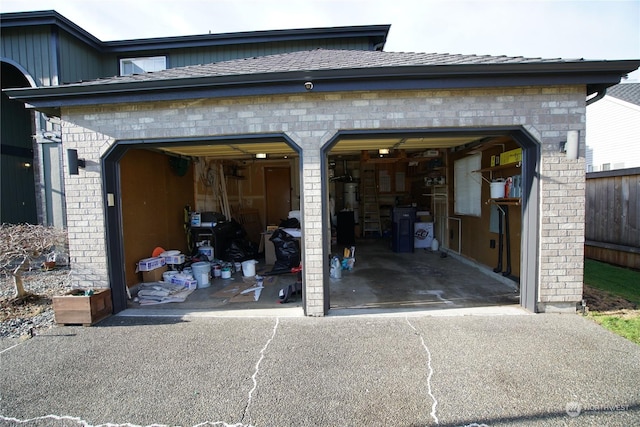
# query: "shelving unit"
493, 169
516, 201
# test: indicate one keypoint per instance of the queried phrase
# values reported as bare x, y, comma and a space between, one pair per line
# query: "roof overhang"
595, 75
377, 34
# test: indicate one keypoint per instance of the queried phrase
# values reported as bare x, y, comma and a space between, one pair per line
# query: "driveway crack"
430, 368
257, 370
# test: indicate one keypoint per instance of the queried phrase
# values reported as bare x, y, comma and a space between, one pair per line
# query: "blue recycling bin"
403, 219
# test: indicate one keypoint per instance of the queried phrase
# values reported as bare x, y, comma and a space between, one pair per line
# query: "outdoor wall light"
261, 156
74, 161
570, 146
26, 165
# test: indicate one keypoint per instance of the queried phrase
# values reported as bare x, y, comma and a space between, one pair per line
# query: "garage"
409, 226
446, 121
371, 178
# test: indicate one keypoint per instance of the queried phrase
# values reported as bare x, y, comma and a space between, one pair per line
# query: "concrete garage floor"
381, 281
385, 280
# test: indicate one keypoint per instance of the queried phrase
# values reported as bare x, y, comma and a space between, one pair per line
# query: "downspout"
598, 97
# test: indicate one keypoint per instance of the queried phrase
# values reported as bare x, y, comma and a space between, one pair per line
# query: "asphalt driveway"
402, 370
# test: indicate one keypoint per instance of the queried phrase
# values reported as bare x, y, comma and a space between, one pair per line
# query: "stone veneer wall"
310, 120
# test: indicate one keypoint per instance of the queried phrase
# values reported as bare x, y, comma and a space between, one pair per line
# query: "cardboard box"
174, 259
76, 308
423, 234
149, 264
154, 275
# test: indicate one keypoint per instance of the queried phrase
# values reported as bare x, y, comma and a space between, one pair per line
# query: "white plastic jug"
435, 244
336, 269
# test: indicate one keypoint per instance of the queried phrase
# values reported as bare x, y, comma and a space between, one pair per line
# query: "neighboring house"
613, 129
42, 49
311, 109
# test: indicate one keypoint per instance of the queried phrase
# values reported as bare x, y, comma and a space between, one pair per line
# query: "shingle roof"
325, 60
629, 92
329, 71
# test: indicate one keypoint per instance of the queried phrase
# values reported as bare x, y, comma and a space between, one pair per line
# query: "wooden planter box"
76, 308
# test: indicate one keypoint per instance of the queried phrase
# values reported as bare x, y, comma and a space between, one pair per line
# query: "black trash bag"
286, 249
237, 229
241, 250
290, 223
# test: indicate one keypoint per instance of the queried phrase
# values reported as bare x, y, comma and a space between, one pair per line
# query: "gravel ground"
26, 318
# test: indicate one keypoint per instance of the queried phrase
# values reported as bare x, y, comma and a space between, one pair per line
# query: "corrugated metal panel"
31, 48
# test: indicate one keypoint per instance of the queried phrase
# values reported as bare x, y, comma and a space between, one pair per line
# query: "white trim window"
130, 66
467, 185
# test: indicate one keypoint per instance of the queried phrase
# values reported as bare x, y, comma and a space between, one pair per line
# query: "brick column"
312, 226
85, 214
562, 190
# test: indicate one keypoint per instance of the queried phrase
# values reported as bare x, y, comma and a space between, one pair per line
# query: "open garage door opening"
435, 220
203, 209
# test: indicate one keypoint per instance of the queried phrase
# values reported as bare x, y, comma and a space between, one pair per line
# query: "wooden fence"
613, 217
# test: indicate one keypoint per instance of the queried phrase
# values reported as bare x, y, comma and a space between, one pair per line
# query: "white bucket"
249, 268
201, 273
225, 273
167, 275
497, 190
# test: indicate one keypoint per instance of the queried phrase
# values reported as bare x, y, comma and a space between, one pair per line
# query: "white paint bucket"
201, 273
225, 273
249, 268
497, 189
167, 275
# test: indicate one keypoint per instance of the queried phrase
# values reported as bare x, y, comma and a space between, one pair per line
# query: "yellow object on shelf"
511, 156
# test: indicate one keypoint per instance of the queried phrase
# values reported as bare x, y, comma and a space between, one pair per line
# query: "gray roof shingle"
323, 59
629, 92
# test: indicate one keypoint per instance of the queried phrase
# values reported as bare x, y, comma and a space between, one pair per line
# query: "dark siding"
18, 186
78, 61
31, 48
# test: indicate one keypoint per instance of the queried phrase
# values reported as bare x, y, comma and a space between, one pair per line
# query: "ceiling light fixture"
261, 155
383, 151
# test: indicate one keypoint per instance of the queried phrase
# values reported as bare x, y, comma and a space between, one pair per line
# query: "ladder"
370, 204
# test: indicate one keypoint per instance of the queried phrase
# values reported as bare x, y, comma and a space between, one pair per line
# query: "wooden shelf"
500, 167
506, 201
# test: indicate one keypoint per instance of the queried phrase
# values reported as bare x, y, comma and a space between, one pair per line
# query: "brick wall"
310, 120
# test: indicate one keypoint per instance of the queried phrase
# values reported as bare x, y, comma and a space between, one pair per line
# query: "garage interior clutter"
226, 232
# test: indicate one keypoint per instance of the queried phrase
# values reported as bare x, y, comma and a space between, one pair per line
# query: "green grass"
618, 281
625, 325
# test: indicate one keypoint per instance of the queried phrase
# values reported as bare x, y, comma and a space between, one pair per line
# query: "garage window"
467, 186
